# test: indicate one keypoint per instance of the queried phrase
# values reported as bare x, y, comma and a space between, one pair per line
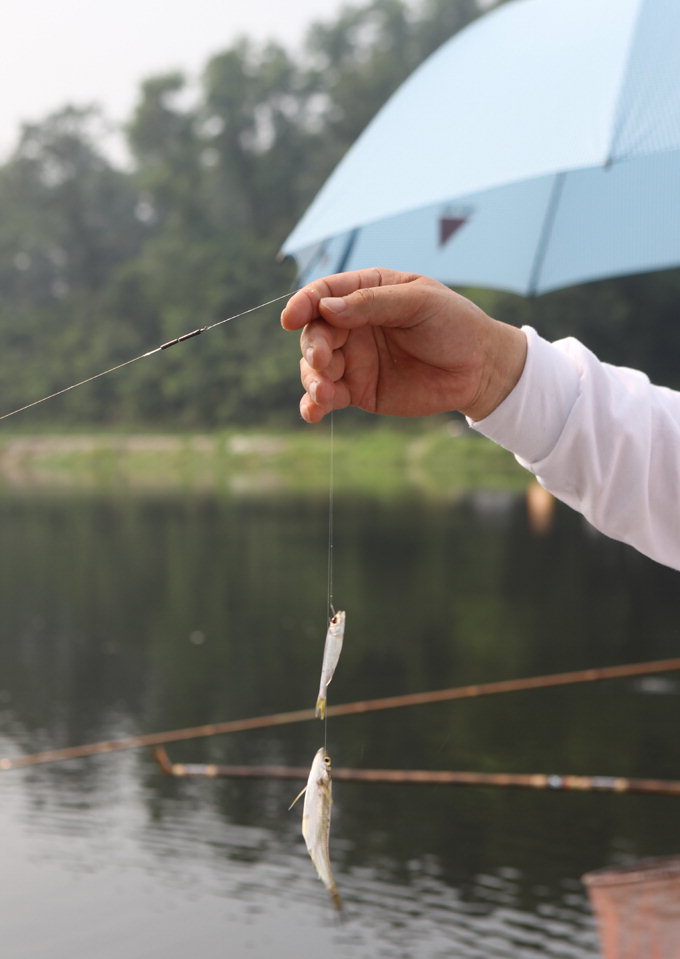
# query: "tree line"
101, 260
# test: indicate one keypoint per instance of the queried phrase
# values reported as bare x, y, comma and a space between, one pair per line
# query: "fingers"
314, 412
321, 397
335, 309
323, 389
303, 306
318, 341
333, 371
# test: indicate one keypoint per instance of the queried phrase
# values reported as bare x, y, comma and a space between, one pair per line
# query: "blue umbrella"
536, 149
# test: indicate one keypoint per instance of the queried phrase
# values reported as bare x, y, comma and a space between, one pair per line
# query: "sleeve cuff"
531, 418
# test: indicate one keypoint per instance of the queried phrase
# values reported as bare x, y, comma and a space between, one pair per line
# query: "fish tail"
321, 708
335, 897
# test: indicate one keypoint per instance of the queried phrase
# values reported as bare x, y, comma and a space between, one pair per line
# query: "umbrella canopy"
536, 149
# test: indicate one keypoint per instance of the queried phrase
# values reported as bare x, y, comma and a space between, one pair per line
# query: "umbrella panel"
528, 237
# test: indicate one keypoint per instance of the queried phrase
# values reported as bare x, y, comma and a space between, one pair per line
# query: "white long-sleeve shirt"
601, 438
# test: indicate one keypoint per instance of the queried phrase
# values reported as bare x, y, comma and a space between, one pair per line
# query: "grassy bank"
442, 460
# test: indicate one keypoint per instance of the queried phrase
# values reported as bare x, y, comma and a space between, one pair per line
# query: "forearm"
602, 439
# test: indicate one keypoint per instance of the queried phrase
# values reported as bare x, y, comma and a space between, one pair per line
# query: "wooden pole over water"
344, 709
438, 777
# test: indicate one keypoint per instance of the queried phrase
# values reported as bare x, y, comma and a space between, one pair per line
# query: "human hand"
399, 344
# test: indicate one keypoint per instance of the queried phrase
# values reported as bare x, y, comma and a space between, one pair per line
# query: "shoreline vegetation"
444, 461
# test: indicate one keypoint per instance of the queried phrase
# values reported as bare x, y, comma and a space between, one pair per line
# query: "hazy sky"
54, 52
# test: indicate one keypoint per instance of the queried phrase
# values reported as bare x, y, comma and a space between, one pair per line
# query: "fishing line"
142, 356
331, 504
331, 510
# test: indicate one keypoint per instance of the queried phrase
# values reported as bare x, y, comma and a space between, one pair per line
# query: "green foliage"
99, 262
628, 321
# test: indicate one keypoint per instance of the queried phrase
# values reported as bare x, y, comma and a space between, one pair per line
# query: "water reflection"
134, 615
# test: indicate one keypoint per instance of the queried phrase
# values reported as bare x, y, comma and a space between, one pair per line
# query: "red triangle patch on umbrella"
448, 225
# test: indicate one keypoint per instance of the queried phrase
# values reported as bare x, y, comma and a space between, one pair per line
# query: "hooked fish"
331, 655
316, 820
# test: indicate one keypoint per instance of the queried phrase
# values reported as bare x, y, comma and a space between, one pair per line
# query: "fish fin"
321, 708
299, 796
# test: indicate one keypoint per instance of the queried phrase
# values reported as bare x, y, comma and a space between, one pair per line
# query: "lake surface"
132, 615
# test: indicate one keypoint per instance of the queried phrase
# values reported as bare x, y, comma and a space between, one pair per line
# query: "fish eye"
327, 761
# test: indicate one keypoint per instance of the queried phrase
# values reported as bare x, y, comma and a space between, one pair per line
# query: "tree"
67, 222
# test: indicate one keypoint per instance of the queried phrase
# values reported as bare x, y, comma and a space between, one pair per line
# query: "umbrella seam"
619, 113
546, 229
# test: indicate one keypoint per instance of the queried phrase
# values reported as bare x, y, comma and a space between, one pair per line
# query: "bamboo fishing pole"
438, 777
344, 709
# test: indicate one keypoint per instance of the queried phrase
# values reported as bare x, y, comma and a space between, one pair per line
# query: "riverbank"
442, 460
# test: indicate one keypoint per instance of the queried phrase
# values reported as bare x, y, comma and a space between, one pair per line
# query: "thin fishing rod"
427, 777
142, 356
345, 709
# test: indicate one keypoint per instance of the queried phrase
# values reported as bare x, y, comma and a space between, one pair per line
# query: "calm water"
136, 615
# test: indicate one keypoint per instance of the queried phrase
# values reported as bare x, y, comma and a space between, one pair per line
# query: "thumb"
372, 306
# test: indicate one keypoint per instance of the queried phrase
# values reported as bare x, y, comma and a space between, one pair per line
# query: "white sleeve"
603, 439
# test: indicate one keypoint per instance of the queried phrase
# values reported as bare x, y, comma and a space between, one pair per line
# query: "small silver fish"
331, 655
316, 820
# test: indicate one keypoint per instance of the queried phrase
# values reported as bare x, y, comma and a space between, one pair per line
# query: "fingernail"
312, 388
336, 304
309, 355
